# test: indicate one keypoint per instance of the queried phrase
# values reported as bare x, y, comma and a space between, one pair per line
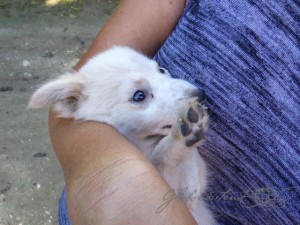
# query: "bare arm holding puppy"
94, 156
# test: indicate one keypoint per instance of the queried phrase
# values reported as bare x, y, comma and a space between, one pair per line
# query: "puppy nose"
201, 96
199, 93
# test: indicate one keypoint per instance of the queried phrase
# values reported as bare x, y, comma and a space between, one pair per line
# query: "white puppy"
162, 116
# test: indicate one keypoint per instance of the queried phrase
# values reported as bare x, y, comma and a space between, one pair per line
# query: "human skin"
108, 181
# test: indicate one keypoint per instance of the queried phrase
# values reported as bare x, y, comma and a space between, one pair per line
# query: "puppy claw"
200, 110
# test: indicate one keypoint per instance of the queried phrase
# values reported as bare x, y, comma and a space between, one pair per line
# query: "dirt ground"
37, 42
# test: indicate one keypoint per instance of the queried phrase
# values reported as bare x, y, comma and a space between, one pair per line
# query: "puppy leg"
176, 155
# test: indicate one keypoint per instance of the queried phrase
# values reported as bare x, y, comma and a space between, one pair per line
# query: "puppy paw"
192, 123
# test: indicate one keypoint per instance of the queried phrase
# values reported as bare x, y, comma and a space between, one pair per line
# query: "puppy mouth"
168, 126
159, 135
154, 136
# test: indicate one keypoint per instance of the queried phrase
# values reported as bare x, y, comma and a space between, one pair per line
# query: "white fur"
102, 90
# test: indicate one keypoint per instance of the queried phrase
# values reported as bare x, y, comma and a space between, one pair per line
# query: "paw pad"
192, 123
196, 137
185, 129
192, 115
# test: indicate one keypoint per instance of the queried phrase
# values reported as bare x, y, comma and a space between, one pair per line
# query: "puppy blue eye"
139, 96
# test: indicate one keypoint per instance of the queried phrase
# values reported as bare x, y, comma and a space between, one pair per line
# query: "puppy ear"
63, 93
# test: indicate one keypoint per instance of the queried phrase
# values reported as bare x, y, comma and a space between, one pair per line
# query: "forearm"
142, 25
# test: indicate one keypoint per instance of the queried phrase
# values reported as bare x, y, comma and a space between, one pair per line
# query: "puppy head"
122, 88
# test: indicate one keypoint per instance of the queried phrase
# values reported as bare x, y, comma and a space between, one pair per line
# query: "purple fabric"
63, 217
245, 55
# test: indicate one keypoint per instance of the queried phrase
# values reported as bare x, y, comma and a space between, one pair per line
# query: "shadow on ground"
37, 42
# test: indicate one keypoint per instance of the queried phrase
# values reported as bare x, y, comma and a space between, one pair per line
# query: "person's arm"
142, 25
108, 180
